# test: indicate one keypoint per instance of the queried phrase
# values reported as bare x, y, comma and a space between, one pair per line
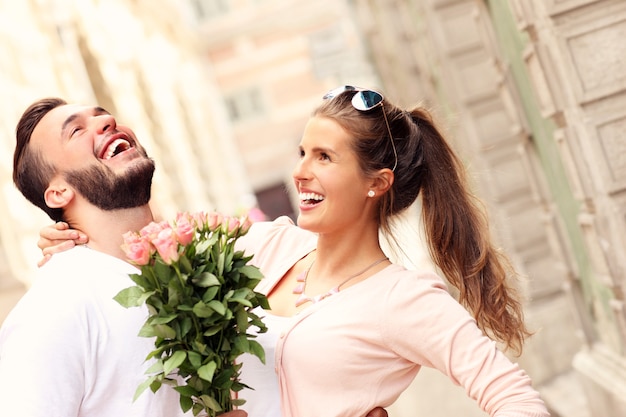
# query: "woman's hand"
56, 238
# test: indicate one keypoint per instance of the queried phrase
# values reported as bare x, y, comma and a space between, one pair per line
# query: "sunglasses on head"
365, 100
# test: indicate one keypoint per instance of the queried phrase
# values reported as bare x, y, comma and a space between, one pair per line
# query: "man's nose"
104, 123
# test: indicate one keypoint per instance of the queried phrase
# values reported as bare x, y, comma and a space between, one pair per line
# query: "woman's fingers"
57, 234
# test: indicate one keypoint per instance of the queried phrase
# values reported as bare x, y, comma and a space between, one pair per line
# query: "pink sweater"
362, 347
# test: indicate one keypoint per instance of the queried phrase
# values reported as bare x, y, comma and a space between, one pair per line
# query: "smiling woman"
342, 314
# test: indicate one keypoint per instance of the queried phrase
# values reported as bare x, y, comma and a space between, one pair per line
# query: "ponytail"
459, 240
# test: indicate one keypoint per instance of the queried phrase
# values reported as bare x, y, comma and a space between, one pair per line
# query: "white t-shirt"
263, 400
68, 349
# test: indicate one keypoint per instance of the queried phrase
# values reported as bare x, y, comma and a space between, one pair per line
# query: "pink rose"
137, 249
151, 230
200, 219
230, 226
184, 229
246, 223
167, 245
214, 221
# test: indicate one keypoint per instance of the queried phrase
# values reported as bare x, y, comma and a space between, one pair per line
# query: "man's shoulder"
83, 270
81, 258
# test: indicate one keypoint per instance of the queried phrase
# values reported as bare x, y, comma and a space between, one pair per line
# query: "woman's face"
331, 187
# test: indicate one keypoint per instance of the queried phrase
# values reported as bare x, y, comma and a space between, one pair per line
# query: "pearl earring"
371, 193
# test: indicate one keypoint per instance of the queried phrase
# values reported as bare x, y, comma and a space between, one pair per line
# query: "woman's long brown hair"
455, 223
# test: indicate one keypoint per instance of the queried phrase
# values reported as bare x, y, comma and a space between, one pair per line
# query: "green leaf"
241, 301
147, 331
144, 297
159, 330
242, 320
185, 265
210, 294
221, 258
141, 280
185, 326
156, 384
251, 271
157, 367
212, 330
211, 403
224, 378
242, 344
207, 371
174, 361
143, 386
257, 350
202, 310
163, 320
206, 279
238, 402
164, 331
163, 271
187, 390
217, 306
195, 359
185, 403
129, 297
263, 302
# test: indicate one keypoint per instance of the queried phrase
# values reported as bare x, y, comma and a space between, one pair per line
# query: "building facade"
142, 64
535, 92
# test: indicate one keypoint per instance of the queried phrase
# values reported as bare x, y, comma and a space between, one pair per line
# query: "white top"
263, 400
68, 349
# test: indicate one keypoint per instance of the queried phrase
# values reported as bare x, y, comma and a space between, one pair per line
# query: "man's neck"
105, 229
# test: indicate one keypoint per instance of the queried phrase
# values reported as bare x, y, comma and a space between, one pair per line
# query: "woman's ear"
58, 194
382, 181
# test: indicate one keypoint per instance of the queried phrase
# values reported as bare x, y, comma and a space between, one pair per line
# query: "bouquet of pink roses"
200, 295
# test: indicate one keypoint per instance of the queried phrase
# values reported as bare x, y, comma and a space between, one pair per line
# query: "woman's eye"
325, 156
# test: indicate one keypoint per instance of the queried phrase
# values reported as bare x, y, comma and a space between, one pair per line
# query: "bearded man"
67, 348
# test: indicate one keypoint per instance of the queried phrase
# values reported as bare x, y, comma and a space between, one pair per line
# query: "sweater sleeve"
443, 335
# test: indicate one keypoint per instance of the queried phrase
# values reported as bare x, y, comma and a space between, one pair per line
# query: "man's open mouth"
116, 147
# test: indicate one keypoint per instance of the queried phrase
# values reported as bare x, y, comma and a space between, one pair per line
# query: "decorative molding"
596, 51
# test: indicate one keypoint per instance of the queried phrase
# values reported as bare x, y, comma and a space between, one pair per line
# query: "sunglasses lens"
335, 92
366, 100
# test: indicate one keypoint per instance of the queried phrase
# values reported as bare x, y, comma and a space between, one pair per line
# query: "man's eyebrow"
96, 111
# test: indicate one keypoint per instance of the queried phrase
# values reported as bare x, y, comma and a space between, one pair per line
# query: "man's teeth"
117, 146
311, 197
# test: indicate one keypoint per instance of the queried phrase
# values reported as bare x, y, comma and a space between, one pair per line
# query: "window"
246, 104
207, 9
274, 202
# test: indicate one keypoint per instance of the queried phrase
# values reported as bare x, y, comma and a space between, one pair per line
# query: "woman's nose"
300, 170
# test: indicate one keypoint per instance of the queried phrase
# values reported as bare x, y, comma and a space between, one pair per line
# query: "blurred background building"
531, 92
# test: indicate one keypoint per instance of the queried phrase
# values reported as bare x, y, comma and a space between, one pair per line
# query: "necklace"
301, 287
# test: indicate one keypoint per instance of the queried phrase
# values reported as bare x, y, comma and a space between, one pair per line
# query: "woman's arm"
58, 237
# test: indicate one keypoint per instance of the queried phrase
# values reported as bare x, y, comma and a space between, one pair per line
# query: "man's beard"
108, 191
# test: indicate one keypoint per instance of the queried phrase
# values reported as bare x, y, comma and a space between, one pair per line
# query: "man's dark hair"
31, 174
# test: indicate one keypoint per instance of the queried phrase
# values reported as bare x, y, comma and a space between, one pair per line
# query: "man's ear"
382, 181
58, 194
